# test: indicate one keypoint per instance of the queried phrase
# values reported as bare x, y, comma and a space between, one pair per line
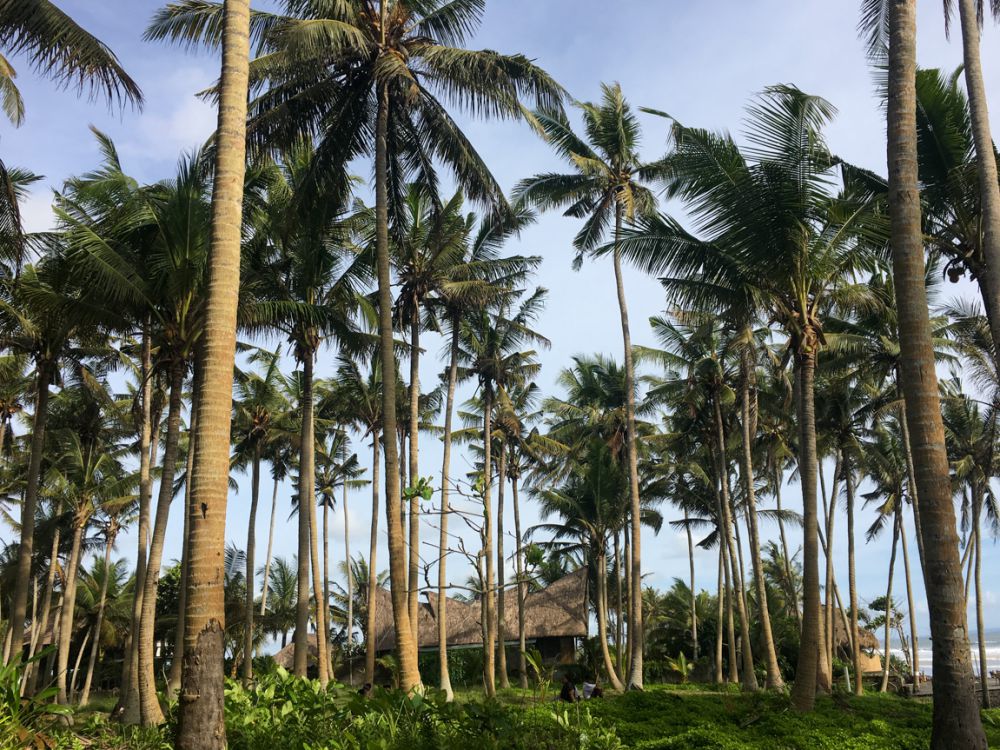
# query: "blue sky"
701, 62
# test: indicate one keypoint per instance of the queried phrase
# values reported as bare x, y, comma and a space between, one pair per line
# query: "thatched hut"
871, 660
554, 618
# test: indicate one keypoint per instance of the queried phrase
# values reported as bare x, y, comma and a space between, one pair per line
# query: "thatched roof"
286, 657
867, 637
558, 610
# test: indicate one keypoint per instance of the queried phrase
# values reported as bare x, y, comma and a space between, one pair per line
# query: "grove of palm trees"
363, 386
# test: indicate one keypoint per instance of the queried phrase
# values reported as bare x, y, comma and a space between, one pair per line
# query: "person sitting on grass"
568, 692
598, 691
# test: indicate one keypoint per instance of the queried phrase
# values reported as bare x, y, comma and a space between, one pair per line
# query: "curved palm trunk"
75, 679
602, 617
442, 601
19, 605
852, 582
694, 596
522, 650
413, 575
980, 629
749, 677
129, 699
888, 605
406, 645
773, 680
265, 585
956, 714
68, 610
501, 592
635, 508
149, 704
250, 585
911, 610
370, 644
30, 679
200, 724
489, 606
101, 603
808, 671
307, 505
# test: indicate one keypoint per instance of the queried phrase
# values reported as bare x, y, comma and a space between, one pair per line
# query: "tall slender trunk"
489, 648
627, 666
980, 629
888, 604
618, 599
731, 661
129, 698
911, 475
989, 189
68, 611
601, 562
694, 596
635, 508
911, 610
793, 598
826, 542
176, 663
95, 647
325, 536
501, 591
265, 585
251, 547
406, 644
300, 638
852, 581
370, 644
19, 607
773, 679
30, 678
413, 576
75, 678
307, 505
719, 679
442, 600
522, 661
350, 573
149, 703
808, 670
200, 724
749, 676
956, 720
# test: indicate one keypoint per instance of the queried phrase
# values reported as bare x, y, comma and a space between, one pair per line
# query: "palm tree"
200, 720
606, 189
354, 89
491, 352
282, 608
956, 715
258, 407
104, 593
776, 238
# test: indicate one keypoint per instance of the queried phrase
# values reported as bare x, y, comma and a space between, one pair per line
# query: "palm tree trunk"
719, 679
911, 610
406, 644
501, 592
370, 644
989, 189
773, 680
75, 679
489, 648
300, 654
350, 575
68, 611
911, 475
129, 699
627, 666
829, 506
176, 663
522, 650
101, 602
326, 570
749, 676
149, 704
635, 615
250, 585
793, 599
956, 714
888, 604
413, 576
602, 616
30, 678
980, 629
200, 723
618, 599
19, 607
307, 505
694, 596
808, 670
852, 582
270, 542
731, 661
442, 600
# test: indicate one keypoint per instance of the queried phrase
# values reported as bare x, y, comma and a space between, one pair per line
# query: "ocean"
992, 640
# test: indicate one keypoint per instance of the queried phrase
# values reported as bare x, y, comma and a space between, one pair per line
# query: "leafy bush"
28, 721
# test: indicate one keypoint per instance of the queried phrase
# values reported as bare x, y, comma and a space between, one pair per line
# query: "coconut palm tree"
892, 36
103, 596
354, 89
606, 188
280, 616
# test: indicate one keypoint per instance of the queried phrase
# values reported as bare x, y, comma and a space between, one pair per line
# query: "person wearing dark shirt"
568, 692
